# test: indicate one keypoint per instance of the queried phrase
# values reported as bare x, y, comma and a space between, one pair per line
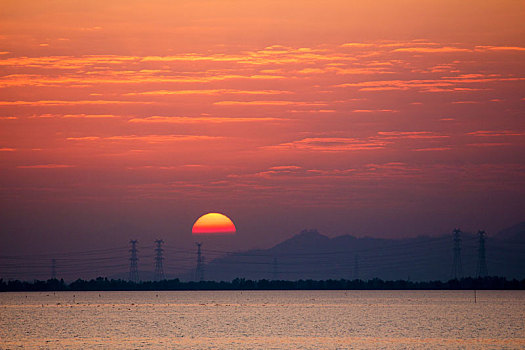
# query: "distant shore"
104, 284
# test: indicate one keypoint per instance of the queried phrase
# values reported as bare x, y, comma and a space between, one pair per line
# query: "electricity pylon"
199, 271
482, 262
456, 266
159, 269
133, 262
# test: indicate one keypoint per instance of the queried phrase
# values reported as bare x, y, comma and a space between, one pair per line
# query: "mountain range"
311, 255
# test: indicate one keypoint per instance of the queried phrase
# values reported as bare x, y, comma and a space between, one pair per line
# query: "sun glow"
212, 224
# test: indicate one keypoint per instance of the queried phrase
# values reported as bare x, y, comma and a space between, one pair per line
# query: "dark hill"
311, 255
514, 233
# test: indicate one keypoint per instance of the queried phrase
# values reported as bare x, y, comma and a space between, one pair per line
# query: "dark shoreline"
103, 284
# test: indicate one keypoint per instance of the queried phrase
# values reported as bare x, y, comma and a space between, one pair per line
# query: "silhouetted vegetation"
103, 284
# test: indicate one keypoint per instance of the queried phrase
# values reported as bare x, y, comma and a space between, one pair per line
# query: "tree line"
104, 284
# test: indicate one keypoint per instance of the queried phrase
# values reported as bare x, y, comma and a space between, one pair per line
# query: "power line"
367, 260
45, 256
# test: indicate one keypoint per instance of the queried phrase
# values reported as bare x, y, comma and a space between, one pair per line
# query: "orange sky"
389, 119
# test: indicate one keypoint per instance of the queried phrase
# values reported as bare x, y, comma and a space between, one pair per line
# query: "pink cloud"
433, 149
494, 133
410, 135
90, 116
45, 166
374, 110
500, 48
201, 120
147, 138
208, 92
444, 49
269, 103
69, 103
489, 144
329, 144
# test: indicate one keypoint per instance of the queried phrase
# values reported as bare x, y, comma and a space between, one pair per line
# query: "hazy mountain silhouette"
311, 255
514, 233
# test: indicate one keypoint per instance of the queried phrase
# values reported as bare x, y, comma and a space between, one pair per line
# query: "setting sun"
213, 223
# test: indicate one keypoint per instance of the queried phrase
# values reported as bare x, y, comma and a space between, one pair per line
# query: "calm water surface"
263, 320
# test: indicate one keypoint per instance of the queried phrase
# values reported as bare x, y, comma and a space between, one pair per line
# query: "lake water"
263, 320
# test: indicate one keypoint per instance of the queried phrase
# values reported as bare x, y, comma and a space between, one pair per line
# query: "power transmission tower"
53, 269
456, 267
133, 267
159, 269
356, 267
199, 272
482, 263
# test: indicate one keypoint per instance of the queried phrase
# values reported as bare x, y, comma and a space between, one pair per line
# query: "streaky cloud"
202, 120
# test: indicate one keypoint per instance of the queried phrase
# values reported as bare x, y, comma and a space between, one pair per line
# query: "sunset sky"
130, 119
